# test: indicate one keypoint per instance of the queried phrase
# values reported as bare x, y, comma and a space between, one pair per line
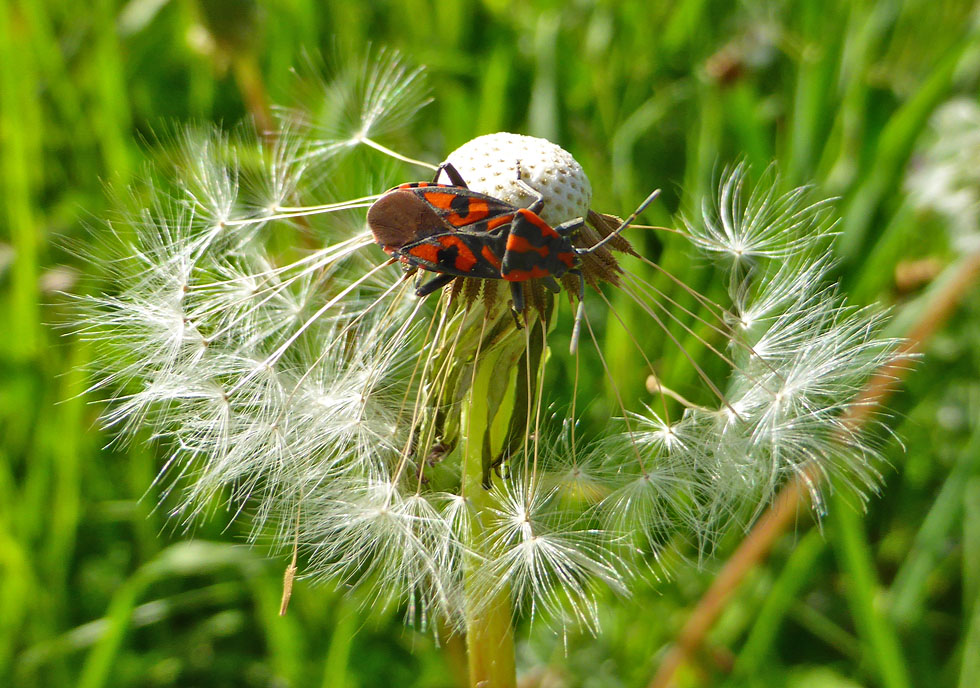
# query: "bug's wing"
463, 253
462, 208
400, 218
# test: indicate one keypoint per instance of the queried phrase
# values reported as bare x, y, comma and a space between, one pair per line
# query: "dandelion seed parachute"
797, 356
362, 101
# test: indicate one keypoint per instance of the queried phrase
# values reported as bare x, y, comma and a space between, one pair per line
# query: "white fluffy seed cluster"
489, 165
317, 395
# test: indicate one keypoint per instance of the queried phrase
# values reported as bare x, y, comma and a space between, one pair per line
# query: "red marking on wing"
519, 244
440, 199
476, 210
524, 275
491, 257
495, 222
546, 229
427, 252
465, 259
568, 259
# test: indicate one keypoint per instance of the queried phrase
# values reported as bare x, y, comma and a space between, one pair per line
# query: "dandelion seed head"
489, 164
308, 388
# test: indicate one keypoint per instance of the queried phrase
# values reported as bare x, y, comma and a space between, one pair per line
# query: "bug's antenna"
577, 328
650, 199
579, 314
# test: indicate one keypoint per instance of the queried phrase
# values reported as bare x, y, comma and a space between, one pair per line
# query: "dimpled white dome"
489, 166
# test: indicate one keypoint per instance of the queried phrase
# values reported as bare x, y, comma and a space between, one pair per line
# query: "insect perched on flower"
456, 232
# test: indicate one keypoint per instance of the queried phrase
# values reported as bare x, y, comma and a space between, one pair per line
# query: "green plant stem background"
97, 588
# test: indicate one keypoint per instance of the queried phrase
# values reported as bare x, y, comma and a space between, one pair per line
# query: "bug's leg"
437, 282
551, 284
454, 176
518, 306
538, 203
579, 312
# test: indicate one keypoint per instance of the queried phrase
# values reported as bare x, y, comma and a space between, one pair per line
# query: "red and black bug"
456, 232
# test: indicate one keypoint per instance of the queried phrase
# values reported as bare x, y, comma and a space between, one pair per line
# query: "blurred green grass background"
97, 588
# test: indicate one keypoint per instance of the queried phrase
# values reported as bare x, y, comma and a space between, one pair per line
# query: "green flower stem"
489, 632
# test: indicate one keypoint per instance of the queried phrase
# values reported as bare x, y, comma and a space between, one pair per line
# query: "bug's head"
571, 229
400, 218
